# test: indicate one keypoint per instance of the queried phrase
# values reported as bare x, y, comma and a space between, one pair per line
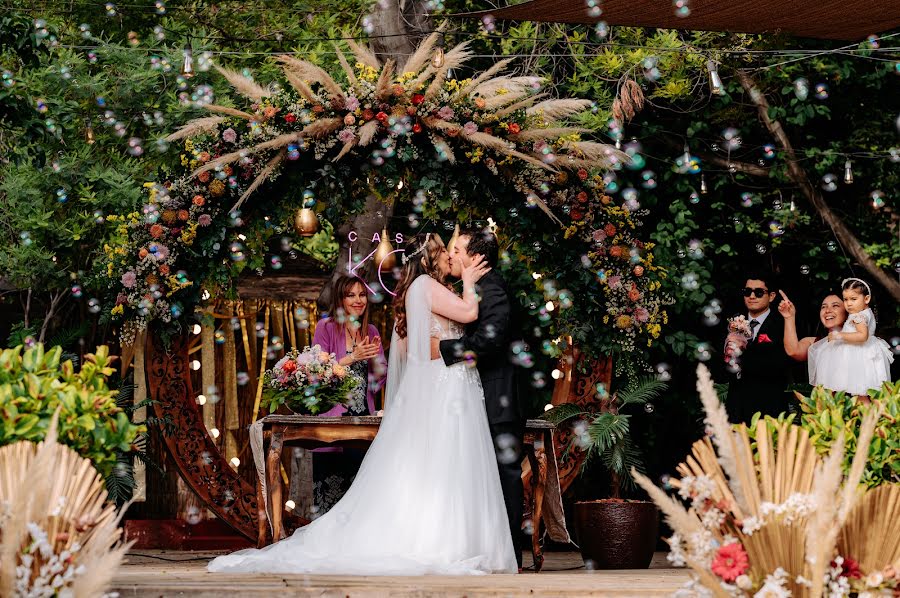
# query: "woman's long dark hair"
423, 261
342, 286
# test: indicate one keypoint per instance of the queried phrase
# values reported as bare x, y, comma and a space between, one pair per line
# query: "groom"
489, 338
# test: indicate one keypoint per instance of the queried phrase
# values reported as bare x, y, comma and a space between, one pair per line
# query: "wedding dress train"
427, 498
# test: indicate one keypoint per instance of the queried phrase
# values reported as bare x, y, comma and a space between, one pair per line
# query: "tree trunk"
844, 235
397, 30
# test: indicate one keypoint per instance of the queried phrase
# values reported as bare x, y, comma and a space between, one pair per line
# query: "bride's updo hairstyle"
420, 257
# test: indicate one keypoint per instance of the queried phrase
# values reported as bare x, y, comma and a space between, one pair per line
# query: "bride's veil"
416, 347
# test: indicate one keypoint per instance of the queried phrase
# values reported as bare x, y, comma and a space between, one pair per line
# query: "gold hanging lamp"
384, 256
306, 223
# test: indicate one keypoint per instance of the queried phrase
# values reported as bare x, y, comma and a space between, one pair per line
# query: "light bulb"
290, 505
195, 365
548, 407
549, 306
196, 329
715, 82
437, 61
848, 173
187, 65
235, 461
89, 132
703, 188
214, 432
556, 374
201, 400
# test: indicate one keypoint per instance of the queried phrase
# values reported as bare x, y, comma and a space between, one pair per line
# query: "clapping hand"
366, 349
786, 308
474, 271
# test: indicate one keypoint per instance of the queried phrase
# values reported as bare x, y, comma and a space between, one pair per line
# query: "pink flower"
352, 103
229, 135
346, 136
121, 299
470, 128
641, 314
162, 252
615, 281
445, 113
204, 220
599, 235
128, 279
730, 562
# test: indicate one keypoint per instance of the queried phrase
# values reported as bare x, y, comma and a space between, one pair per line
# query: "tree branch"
844, 235
744, 167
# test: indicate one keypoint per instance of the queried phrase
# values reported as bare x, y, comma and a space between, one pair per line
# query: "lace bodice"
442, 328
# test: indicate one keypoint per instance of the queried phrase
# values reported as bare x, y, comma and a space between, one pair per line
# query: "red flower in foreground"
289, 118
417, 128
849, 569
382, 117
418, 99
514, 128
289, 367
730, 562
368, 114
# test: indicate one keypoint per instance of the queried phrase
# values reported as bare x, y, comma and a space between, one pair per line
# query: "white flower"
751, 524
803, 581
713, 518
744, 582
874, 579
772, 589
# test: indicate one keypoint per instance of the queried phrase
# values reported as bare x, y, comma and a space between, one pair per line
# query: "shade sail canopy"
825, 19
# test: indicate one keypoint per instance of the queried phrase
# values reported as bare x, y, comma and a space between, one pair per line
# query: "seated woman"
355, 342
832, 314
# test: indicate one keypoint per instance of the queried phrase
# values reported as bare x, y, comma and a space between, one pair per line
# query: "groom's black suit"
489, 338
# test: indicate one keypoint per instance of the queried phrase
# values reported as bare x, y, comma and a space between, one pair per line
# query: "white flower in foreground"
744, 582
874, 579
772, 589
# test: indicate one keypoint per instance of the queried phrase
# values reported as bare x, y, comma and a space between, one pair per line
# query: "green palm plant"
606, 434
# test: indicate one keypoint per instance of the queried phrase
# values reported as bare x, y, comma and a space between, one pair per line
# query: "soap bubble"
801, 88
703, 352
93, 305
601, 29
663, 372
594, 9
831, 246
821, 91
732, 138
760, 248
804, 269
682, 8
828, 182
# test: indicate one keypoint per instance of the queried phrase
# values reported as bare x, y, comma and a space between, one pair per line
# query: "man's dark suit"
489, 338
764, 374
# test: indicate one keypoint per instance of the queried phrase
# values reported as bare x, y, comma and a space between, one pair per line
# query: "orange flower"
143, 253
228, 171
480, 102
623, 322
634, 294
615, 251
398, 90
318, 109
606, 200
582, 174
514, 128
638, 270
349, 119
164, 269
183, 215
270, 111
582, 196
169, 216
199, 200
204, 176
156, 231
152, 279
203, 157
610, 230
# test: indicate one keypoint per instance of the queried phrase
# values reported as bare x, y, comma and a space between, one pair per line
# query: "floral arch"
489, 146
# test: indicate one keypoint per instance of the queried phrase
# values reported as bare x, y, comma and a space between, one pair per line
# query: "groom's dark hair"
483, 241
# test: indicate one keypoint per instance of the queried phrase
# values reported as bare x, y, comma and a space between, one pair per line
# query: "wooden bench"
311, 432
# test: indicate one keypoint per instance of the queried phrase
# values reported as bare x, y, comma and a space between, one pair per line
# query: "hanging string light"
715, 82
187, 65
88, 132
848, 172
703, 188
437, 61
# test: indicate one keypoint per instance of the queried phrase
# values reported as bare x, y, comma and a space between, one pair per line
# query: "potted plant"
613, 533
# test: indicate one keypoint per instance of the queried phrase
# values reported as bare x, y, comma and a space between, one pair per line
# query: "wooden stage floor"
160, 573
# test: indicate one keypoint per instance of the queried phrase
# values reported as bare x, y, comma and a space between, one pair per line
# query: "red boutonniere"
763, 338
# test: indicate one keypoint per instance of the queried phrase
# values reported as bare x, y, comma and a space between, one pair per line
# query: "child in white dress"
854, 360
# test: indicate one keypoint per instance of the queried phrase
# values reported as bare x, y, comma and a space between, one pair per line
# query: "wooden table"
311, 432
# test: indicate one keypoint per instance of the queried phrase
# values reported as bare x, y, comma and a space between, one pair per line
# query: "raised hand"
475, 270
786, 308
366, 349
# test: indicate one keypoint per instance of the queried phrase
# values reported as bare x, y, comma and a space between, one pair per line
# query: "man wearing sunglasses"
759, 381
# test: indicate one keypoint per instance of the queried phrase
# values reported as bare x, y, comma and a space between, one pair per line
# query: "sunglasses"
758, 293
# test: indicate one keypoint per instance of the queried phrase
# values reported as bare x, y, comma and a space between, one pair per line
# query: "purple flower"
128, 279
445, 113
346, 136
470, 128
204, 220
229, 135
352, 103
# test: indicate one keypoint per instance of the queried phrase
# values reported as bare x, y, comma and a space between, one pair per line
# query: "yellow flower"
188, 145
623, 322
117, 310
184, 160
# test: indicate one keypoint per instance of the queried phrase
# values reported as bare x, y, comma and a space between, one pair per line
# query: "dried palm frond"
364, 54
422, 55
633, 94
550, 133
276, 143
196, 127
321, 127
471, 85
348, 70
261, 177
825, 490
441, 145
367, 132
314, 73
245, 86
55, 525
593, 151
230, 111
554, 110
520, 105
345, 150
679, 519
505, 86
383, 87
878, 509
300, 85
452, 60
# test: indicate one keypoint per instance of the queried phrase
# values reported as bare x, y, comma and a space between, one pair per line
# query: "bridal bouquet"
739, 334
309, 382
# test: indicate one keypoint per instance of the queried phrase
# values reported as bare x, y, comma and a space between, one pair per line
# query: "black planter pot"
617, 535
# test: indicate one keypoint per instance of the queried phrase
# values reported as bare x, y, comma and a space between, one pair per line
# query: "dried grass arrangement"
768, 517
58, 534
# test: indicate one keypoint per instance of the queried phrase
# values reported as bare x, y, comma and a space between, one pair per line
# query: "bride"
427, 498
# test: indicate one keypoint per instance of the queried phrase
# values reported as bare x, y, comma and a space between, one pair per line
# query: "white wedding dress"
427, 498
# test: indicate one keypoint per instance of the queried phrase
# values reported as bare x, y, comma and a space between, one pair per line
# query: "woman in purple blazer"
346, 332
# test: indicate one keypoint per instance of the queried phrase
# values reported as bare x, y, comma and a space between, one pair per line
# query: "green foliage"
34, 384
826, 415
607, 434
